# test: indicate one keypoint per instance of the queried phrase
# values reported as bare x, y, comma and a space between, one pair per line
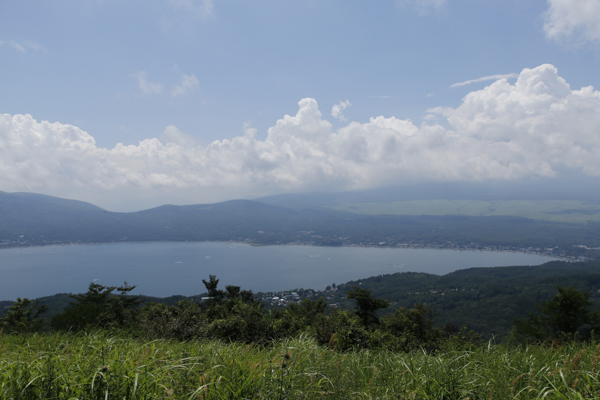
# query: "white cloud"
484, 79
423, 7
537, 126
336, 110
195, 8
173, 135
576, 20
22, 46
188, 84
145, 86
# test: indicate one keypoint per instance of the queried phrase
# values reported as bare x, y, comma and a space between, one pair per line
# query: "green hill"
484, 299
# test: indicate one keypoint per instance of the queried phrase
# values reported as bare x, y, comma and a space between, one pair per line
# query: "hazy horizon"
569, 188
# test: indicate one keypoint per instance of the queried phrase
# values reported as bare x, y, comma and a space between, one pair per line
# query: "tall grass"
101, 366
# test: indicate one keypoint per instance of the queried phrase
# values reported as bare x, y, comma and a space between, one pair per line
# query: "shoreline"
403, 246
201, 248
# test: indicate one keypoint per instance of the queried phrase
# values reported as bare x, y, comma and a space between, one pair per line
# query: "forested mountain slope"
484, 299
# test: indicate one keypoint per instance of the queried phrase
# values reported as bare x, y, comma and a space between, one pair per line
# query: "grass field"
548, 210
101, 366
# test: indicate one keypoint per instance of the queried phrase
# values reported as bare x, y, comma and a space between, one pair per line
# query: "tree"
182, 321
244, 322
221, 302
211, 287
297, 318
366, 305
124, 305
567, 316
23, 316
99, 308
234, 292
413, 327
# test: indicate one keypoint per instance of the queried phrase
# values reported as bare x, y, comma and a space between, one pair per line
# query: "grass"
546, 210
101, 366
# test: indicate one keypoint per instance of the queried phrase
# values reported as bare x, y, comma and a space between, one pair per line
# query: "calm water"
168, 268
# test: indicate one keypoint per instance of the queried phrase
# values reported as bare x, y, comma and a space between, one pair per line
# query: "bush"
565, 317
23, 316
98, 308
183, 321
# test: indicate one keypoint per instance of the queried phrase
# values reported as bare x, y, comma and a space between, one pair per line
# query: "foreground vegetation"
116, 366
484, 299
110, 346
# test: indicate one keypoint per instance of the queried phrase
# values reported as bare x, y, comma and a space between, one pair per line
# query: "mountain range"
35, 219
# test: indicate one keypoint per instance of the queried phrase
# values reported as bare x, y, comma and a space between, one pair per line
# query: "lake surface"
168, 268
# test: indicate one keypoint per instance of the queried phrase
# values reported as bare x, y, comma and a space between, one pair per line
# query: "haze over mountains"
569, 187
34, 219
316, 219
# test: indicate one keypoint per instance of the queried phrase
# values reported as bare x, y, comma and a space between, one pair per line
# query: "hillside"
483, 299
30, 219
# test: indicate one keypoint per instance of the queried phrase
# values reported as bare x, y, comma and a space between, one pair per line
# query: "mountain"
484, 299
36, 219
30, 219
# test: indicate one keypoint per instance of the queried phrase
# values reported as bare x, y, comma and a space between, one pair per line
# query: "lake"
169, 268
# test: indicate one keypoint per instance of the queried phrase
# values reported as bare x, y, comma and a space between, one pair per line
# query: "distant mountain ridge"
38, 219
32, 219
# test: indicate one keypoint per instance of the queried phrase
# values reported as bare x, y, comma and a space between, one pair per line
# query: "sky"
134, 104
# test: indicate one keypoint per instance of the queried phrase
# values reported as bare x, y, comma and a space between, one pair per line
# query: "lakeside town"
343, 242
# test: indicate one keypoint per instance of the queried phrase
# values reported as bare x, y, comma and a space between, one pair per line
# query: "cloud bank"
537, 126
577, 20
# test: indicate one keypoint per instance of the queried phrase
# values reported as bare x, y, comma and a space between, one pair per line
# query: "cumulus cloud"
336, 110
188, 84
145, 86
577, 20
423, 7
537, 126
484, 79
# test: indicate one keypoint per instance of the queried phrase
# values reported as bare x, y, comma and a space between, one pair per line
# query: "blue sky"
132, 104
